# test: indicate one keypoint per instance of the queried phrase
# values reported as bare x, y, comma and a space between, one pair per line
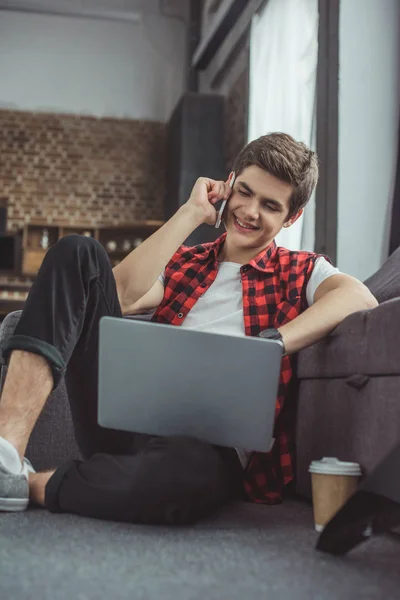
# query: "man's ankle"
37, 487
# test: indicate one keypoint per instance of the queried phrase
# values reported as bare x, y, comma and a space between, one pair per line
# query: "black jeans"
124, 476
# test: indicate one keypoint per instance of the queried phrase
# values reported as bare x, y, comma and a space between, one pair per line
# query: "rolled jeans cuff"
53, 487
40, 347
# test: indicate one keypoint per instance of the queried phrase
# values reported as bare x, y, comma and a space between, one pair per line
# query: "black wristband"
273, 334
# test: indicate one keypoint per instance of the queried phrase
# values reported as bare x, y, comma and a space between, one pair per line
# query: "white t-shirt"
220, 308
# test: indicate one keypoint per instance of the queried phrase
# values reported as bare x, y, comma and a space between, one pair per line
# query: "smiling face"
255, 214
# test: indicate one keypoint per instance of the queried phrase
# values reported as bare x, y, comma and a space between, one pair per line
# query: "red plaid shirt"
274, 292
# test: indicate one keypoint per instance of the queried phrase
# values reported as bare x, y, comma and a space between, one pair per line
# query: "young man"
242, 284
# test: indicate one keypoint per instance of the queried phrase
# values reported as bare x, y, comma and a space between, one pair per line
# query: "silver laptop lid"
164, 380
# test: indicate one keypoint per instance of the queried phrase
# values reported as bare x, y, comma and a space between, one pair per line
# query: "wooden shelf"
33, 254
31, 260
135, 225
9, 305
85, 225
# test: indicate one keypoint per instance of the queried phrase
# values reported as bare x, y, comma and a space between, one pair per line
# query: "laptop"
164, 380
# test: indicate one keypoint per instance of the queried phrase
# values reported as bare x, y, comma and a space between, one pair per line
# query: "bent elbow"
370, 301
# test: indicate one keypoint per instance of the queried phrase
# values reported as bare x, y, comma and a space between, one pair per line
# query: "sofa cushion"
385, 283
6, 330
365, 342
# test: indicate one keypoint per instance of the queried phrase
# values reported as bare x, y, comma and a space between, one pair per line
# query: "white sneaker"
27, 467
14, 488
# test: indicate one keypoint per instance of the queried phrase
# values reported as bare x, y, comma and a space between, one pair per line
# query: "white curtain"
283, 69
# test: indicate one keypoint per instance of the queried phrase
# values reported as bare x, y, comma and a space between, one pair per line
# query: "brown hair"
288, 160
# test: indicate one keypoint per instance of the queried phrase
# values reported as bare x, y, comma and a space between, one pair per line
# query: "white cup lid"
333, 466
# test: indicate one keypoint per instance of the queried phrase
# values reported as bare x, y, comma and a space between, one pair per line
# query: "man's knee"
180, 480
70, 243
76, 247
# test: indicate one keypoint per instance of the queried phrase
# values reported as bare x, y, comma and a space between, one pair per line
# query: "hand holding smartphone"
221, 210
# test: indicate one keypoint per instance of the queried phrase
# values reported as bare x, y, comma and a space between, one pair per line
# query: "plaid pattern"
274, 292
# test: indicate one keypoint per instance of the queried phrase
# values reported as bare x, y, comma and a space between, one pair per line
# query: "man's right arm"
147, 302
136, 276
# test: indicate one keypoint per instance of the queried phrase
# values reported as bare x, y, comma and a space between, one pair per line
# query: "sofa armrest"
52, 441
6, 330
365, 342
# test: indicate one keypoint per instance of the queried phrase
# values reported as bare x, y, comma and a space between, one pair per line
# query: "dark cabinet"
195, 147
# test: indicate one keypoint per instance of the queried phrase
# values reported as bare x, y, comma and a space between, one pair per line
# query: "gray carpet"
244, 552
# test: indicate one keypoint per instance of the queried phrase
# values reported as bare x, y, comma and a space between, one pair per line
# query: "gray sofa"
348, 384
348, 406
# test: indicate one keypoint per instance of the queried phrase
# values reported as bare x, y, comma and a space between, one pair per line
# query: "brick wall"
77, 170
73, 169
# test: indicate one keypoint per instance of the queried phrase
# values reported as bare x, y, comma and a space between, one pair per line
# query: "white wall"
91, 66
369, 102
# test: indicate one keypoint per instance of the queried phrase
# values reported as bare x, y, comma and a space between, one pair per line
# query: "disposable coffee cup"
333, 482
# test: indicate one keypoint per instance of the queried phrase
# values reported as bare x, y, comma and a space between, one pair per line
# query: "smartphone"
221, 210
